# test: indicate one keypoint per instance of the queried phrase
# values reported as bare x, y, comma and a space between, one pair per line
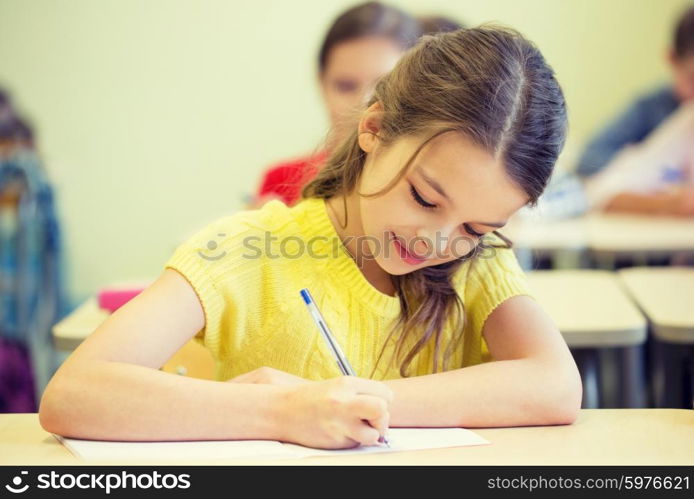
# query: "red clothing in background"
286, 180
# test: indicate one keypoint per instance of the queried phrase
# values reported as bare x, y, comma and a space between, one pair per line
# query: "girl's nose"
434, 243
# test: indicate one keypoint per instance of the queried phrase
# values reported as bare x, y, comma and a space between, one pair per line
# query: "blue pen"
333, 346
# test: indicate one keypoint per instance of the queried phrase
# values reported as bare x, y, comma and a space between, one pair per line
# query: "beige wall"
156, 116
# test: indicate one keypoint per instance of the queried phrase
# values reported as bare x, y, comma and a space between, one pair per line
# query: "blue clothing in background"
32, 295
631, 127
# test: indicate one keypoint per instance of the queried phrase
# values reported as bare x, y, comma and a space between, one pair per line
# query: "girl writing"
396, 240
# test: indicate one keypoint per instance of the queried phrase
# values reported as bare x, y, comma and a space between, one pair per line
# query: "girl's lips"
405, 255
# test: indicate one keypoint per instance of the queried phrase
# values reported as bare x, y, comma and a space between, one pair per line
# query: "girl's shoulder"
256, 231
273, 216
488, 280
494, 270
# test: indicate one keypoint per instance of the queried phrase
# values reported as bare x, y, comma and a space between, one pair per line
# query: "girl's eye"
345, 86
429, 206
418, 198
471, 231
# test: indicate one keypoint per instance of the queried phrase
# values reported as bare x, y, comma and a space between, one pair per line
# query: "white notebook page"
401, 439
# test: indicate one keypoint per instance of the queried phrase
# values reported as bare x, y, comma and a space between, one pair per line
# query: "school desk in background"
598, 320
600, 239
665, 296
191, 360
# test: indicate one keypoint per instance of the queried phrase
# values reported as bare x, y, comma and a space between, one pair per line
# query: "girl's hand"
338, 413
269, 376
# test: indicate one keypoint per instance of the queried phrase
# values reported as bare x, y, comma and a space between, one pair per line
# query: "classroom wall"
156, 116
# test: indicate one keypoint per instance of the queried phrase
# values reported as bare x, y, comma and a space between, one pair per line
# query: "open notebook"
401, 439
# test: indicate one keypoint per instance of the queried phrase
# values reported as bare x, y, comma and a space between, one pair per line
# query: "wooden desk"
598, 437
614, 234
606, 236
589, 307
191, 360
592, 312
666, 295
565, 242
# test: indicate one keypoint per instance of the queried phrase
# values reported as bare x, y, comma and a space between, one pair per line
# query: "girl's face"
350, 74
453, 193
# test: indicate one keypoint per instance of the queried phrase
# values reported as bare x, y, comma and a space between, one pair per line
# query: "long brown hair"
492, 85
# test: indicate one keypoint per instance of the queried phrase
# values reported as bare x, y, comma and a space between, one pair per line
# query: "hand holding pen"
334, 348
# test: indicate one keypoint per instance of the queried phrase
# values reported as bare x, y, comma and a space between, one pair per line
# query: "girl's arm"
110, 387
532, 381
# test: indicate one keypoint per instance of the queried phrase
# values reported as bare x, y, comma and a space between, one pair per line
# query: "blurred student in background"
31, 292
643, 161
16, 375
363, 44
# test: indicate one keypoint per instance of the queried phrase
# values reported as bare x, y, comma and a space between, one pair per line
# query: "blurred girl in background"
363, 44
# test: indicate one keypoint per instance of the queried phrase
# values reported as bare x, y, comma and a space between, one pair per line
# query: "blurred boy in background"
643, 161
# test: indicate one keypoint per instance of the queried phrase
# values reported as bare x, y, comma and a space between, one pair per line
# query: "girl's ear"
370, 126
